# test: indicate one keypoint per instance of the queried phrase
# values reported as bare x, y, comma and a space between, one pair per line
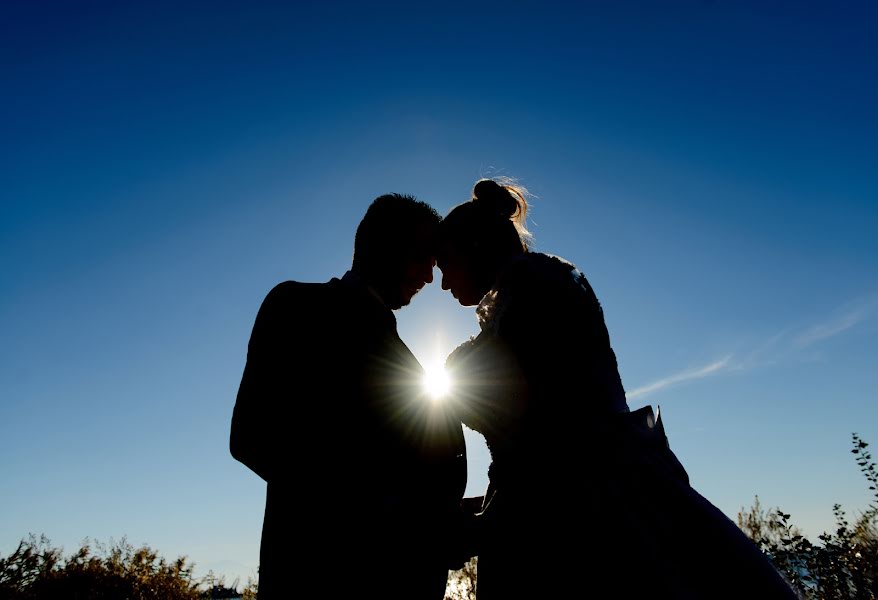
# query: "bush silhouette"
845, 562
37, 571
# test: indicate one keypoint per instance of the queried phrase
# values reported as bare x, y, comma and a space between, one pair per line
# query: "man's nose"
445, 285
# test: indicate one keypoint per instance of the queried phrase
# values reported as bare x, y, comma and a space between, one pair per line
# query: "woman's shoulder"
531, 280
533, 268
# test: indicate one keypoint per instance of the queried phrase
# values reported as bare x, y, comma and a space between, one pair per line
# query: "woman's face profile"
461, 274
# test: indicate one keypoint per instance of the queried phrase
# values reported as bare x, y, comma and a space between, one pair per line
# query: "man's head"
395, 247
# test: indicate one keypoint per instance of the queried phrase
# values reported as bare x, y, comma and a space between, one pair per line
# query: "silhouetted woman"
584, 497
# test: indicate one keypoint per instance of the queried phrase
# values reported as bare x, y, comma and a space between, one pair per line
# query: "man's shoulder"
292, 290
295, 295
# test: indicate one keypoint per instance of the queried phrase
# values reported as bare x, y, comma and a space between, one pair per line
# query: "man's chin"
399, 302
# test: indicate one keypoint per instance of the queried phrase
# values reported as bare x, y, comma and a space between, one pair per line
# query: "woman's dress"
585, 498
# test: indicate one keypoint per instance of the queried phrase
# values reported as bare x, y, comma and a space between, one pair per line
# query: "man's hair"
389, 229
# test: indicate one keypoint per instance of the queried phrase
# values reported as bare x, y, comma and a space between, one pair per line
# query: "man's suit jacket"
364, 473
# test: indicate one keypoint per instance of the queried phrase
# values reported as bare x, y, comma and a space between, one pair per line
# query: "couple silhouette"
365, 475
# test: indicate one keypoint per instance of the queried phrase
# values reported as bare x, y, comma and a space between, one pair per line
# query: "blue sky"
711, 167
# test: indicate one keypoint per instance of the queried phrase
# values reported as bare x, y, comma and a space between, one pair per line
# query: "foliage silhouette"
37, 571
845, 562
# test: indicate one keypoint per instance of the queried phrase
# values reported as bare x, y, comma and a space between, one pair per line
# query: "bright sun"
436, 381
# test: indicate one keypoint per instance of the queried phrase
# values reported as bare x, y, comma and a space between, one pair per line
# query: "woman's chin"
466, 301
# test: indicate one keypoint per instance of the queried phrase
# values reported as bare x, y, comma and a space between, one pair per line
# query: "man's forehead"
419, 248
422, 238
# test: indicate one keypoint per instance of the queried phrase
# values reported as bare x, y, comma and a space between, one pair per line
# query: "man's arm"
259, 404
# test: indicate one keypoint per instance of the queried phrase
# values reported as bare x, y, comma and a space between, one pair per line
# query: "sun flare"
436, 382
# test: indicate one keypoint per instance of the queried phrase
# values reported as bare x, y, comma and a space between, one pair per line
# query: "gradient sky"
711, 167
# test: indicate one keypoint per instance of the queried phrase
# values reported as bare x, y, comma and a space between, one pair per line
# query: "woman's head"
480, 236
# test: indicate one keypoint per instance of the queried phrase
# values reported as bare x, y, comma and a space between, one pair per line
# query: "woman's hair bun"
496, 198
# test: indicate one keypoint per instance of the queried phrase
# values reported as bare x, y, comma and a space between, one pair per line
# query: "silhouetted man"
364, 473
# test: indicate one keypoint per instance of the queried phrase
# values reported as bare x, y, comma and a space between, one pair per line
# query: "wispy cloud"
770, 351
774, 349
699, 373
848, 316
